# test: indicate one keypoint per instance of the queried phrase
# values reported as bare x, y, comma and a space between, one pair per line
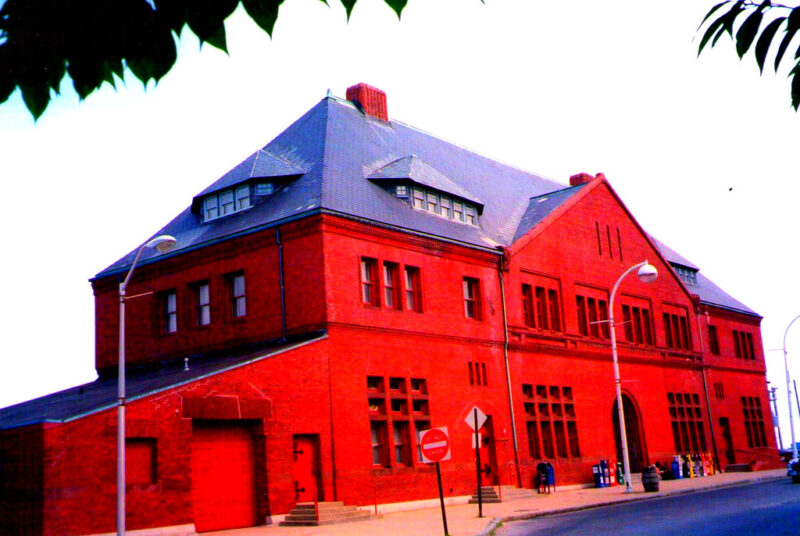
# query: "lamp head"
163, 243
647, 273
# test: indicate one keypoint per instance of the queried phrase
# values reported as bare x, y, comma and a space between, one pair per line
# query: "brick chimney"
583, 178
371, 100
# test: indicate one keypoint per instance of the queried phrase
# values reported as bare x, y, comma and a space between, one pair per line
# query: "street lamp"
647, 274
162, 243
788, 388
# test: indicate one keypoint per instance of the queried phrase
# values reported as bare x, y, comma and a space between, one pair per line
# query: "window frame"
471, 294
202, 309
369, 282
236, 298
169, 312
412, 288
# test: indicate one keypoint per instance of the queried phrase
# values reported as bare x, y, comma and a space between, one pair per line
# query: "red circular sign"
435, 445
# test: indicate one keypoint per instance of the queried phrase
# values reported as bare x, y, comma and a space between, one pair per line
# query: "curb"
565, 510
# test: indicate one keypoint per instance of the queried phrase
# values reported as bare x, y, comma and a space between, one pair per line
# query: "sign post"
475, 419
434, 444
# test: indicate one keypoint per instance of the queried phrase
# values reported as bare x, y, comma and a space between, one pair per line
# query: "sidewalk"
462, 519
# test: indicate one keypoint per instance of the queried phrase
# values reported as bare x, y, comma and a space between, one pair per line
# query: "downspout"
703, 368
500, 263
283, 288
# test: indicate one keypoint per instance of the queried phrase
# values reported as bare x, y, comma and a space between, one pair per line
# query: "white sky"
553, 87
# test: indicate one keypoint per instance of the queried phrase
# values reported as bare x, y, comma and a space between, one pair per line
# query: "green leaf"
263, 12
730, 17
397, 5
792, 25
36, 97
207, 20
748, 30
348, 6
765, 40
711, 12
795, 91
713, 28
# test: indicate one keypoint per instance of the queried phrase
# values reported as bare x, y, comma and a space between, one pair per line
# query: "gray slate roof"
340, 155
101, 394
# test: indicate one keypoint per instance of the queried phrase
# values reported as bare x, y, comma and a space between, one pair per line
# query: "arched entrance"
636, 451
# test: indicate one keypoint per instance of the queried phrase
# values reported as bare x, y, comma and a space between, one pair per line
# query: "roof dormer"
256, 178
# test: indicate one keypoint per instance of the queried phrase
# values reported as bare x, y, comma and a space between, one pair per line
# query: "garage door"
223, 476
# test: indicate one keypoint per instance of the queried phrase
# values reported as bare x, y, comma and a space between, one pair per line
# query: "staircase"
324, 513
512, 493
488, 495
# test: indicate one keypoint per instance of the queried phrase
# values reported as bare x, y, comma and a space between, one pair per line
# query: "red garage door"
223, 476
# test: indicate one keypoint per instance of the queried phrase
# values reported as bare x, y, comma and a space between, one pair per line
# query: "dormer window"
264, 188
401, 190
226, 202
687, 275
440, 204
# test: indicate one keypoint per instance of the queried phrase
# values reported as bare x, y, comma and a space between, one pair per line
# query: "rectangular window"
471, 215
433, 203
719, 390
170, 312
713, 340
420, 426
638, 327
226, 202
583, 324
458, 211
627, 323
527, 305
413, 291
594, 326
378, 436
369, 277
471, 298
743, 345
419, 199
202, 304
555, 310
141, 466
401, 190
238, 296
242, 197
533, 440
552, 429
687, 422
754, 421
447, 207
264, 188
676, 332
210, 208
400, 437
390, 286
561, 439
541, 308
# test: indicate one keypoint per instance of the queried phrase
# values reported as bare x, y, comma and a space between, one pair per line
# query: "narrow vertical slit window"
390, 286
413, 291
170, 312
471, 298
369, 278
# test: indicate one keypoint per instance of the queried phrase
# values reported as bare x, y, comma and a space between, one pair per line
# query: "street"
771, 508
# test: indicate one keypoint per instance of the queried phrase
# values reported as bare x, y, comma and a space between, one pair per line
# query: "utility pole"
773, 397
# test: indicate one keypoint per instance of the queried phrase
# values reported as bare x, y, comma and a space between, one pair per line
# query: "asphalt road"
764, 509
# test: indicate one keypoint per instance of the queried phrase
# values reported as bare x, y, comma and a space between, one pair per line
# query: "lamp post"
163, 244
647, 274
788, 388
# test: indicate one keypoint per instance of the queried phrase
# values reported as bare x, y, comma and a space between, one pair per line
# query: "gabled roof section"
541, 206
417, 171
707, 290
101, 394
260, 164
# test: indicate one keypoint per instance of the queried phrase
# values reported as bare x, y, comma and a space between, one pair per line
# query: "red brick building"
354, 282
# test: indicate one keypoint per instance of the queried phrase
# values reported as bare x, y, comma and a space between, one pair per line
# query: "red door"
306, 468
488, 454
223, 476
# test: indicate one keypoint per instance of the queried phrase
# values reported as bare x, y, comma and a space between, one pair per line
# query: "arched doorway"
636, 451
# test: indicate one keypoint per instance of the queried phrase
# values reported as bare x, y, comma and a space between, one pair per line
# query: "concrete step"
324, 513
488, 495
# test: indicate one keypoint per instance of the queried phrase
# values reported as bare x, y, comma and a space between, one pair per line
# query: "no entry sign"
434, 445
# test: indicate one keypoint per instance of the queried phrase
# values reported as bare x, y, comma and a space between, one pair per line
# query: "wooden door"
306, 468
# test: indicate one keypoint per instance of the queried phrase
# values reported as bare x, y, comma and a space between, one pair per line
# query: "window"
471, 298
202, 304
447, 207
140, 461
713, 340
441, 205
471, 215
458, 211
687, 275
265, 188
719, 390
550, 421
401, 190
398, 398
541, 308
687, 422
592, 317
753, 421
676, 332
743, 345
377, 431
433, 203
229, 201
369, 277
419, 199
401, 443
477, 373
170, 312
390, 286
637, 324
413, 290
238, 297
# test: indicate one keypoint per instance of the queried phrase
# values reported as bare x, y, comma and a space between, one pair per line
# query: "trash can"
551, 476
650, 478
